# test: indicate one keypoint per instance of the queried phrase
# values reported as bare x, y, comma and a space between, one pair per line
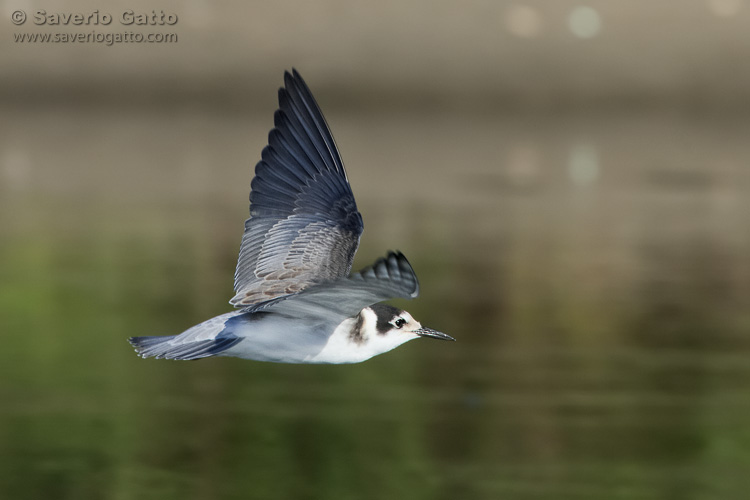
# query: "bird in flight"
294, 297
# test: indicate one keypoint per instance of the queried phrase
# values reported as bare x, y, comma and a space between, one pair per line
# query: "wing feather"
304, 226
388, 278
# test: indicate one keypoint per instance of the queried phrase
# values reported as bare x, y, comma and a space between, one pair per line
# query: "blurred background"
569, 178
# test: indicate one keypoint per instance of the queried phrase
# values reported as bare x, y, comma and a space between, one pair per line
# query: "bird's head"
380, 328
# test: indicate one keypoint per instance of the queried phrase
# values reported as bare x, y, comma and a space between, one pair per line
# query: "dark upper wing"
304, 226
389, 277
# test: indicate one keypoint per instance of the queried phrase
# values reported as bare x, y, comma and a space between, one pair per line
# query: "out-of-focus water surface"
595, 269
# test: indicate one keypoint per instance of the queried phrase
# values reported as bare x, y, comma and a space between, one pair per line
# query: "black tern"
295, 299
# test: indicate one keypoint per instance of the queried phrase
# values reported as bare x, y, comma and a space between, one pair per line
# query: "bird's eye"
399, 322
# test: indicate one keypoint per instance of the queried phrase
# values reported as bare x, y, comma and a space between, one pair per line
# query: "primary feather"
304, 226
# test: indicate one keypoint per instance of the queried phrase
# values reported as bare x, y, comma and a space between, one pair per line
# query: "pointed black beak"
434, 334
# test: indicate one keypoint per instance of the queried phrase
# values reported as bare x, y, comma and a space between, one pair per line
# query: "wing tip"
393, 265
290, 76
293, 82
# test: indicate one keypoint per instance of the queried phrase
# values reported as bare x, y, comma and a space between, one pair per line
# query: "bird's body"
296, 301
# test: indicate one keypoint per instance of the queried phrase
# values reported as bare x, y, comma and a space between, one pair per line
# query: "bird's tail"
148, 347
164, 348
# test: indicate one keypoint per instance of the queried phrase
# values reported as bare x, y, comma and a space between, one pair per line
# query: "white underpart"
341, 348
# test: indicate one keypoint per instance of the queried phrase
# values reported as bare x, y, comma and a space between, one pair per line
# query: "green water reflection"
602, 324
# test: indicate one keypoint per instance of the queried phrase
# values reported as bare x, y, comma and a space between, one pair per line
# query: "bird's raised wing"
389, 277
304, 226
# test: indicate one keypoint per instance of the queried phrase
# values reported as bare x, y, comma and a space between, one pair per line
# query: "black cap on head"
385, 314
